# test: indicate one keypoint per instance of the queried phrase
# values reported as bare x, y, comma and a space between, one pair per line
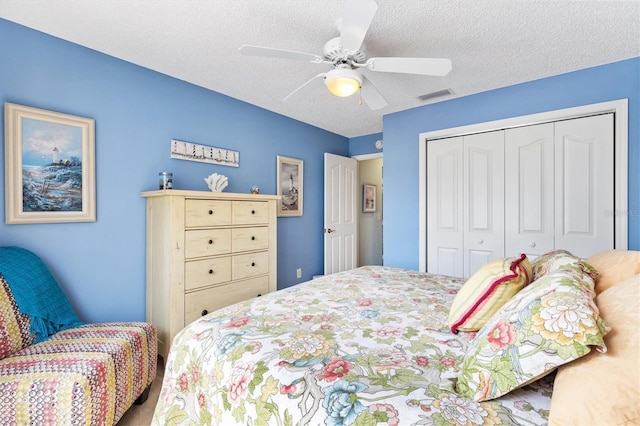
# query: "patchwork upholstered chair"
56, 370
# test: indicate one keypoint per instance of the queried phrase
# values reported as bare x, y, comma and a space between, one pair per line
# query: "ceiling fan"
347, 54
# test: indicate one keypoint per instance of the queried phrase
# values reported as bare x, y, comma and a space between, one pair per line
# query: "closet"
526, 189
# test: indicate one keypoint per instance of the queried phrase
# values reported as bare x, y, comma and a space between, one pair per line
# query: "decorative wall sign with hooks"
206, 154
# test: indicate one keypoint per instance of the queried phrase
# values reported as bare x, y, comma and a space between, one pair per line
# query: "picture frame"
290, 186
369, 198
49, 166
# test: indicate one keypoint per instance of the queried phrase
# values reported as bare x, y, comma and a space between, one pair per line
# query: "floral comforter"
369, 346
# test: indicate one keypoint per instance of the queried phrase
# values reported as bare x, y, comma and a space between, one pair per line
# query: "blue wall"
364, 144
101, 265
401, 130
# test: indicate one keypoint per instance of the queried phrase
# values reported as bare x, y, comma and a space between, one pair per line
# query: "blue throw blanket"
37, 293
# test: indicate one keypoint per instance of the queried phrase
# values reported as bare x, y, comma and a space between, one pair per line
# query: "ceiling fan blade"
292, 94
371, 96
356, 19
271, 52
425, 66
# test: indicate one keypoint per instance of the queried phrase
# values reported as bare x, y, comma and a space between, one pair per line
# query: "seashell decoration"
216, 182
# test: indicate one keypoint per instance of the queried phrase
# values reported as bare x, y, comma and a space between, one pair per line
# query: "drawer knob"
253, 238
253, 212
211, 271
210, 241
253, 263
210, 211
204, 312
259, 294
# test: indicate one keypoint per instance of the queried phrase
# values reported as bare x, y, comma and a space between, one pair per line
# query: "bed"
373, 346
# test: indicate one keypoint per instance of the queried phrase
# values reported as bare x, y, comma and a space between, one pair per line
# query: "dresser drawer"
207, 213
201, 302
249, 265
207, 242
202, 273
246, 239
250, 212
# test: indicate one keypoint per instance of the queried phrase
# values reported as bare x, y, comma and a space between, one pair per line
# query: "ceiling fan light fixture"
343, 82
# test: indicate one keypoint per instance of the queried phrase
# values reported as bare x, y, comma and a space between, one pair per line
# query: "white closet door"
483, 199
445, 207
529, 199
584, 173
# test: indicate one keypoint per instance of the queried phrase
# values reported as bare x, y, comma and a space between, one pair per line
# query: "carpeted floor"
140, 415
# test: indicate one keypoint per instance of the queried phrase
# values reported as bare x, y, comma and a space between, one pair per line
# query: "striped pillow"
486, 291
14, 325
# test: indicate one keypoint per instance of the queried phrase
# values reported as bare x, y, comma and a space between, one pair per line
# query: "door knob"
329, 230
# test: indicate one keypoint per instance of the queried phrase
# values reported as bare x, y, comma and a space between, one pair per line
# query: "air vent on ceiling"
437, 94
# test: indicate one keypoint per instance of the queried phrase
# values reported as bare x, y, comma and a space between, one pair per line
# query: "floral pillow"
549, 323
486, 291
558, 260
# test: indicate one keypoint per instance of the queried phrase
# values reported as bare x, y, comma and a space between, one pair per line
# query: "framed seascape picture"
49, 166
290, 186
369, 198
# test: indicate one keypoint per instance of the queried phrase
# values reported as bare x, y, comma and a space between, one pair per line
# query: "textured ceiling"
492, 43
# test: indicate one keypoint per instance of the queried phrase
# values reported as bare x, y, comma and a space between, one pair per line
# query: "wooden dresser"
205, 251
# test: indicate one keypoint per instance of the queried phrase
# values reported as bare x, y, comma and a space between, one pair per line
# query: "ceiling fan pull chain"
360, 95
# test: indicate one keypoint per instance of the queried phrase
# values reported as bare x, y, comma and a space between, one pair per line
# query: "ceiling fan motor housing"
334, 52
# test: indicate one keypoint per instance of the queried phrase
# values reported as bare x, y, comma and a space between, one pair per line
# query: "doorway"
370, 225
352, 230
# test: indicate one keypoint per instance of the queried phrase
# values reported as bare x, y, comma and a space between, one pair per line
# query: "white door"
465, 207
528, 187
559, 184
340, 213
444, 207
584, 173
483, 188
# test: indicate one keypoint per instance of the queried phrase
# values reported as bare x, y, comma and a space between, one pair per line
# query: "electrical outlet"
299, 273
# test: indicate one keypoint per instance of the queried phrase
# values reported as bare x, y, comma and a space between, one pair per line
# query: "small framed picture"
369, 198
290, 186
49, 166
